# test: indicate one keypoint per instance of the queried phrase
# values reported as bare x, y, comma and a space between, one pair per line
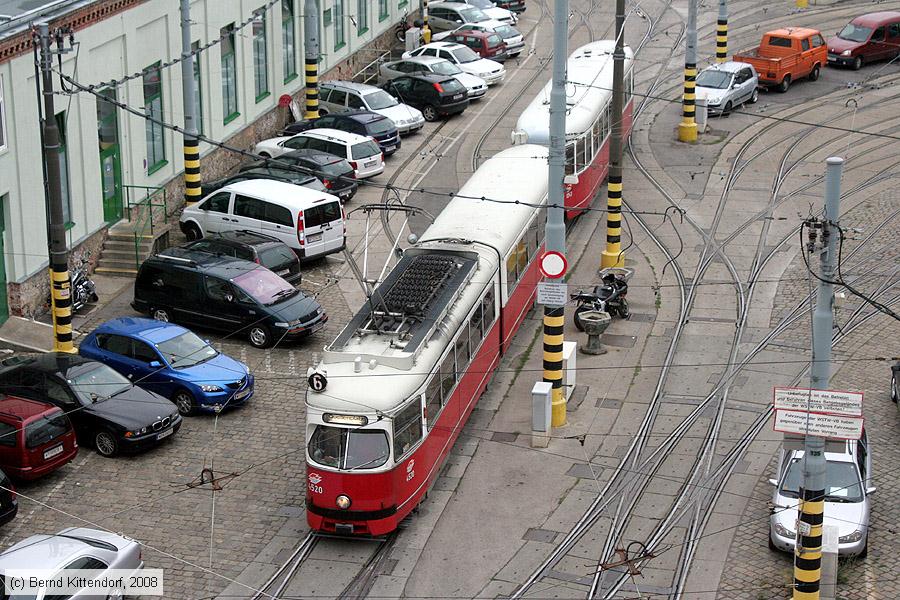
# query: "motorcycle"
403, 25
84, 290
609, 296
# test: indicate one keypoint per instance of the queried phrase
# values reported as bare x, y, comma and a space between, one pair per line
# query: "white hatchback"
361, 152
465, 58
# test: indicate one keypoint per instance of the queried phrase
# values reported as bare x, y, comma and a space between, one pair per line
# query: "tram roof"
589, 71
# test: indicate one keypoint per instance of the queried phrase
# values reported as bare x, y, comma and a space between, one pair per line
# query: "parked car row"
787, 55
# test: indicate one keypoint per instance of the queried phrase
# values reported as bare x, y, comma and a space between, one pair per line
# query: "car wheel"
785, 84
814, 74
322, 112
106, 443
754, 97
265, 155
192, 232
772, 546
184, 400
260, 336
865, 550
430, 113
161, 314
727, 110
857, 63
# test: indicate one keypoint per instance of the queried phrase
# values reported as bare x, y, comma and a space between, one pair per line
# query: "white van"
310, 222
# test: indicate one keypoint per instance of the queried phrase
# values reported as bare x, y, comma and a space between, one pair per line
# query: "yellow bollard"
687, 129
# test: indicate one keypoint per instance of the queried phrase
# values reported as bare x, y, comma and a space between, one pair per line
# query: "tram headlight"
343, 502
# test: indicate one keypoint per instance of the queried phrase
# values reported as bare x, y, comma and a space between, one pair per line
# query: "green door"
110, 162
4, 303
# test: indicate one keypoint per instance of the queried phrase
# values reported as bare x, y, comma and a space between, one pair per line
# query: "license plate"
164, 434
53, 451
317, 326
313, 238
390, 148
832, 59
242, 394
370, 163
458, 97
282, 272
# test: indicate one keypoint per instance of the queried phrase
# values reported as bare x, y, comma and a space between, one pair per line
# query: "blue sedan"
172, 361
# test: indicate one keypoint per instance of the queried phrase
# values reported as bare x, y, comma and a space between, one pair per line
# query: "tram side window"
531, 238
597, 133
584, 156
488, 309
407, 428
570, 158
540, 220
462, 351
448, 376
512, 276
433, 400
476, 329
607, 125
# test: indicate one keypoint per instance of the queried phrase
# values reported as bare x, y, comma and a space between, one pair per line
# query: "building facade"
110, 158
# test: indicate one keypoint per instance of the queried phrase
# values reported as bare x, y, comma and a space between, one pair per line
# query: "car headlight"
343, 502
846, 52
783, 531
851, 537
282, 324
136, 432
210, 388
713, 101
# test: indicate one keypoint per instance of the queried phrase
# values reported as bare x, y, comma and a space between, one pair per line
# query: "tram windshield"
351, 449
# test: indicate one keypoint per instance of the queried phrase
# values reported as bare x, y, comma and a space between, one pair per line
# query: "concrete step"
116, 253
129, 237
117, 271
118, 263
127, 245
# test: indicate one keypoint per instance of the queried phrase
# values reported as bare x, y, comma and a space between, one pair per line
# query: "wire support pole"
555, 232
191, 143
808, 554
60, 284
613, 255
311, 58
426, 30
722, 32
687, 129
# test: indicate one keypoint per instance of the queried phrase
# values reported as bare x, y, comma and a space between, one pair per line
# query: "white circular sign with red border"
553, 264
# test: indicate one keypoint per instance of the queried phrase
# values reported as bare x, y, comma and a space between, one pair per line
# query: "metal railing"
370, 71
141, 213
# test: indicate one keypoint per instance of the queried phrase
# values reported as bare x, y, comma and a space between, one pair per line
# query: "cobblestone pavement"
755, 571
149, 497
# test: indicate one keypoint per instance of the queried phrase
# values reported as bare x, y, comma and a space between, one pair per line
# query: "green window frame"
326, 17
339, 36
402, 3
260, 55
153, 108
382, 10
229, 75
362, 16
64, 170
289, 40
198, 88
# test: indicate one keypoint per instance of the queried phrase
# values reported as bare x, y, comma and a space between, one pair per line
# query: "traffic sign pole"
808, 554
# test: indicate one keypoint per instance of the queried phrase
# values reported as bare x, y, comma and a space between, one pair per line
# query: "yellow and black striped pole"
553, 361
426, 30
311, 60
60, 285
687, 129
722, 33
808, 559
191, 170
188, 93
613, 256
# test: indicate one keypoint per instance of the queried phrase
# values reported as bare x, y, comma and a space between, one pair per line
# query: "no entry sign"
553, 264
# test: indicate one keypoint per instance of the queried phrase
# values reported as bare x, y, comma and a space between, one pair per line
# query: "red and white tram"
588, 125
406, 372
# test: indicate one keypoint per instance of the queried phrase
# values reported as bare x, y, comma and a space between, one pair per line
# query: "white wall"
127, 43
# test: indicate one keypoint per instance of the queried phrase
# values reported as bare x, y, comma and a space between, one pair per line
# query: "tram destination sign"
818, 424
848, 404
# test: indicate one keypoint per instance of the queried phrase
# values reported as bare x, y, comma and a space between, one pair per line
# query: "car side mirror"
773, 481
155, 364
734, 86
870, 490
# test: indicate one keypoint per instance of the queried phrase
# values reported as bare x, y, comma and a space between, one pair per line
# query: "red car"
486, 44
35, 438
865, 39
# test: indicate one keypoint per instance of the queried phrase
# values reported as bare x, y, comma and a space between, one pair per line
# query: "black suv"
335, 172
285, 175
262, 249
435, 95
361, 122
224, 293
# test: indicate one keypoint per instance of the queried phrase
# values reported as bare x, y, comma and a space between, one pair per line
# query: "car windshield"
276, 255
445, 68
465, 55
494, 41
855, 33
481, 3
99, 383
380, 126
473, 15
46, 429
363, 150
186, 350
718, 80
344, 448
264, 286
338, 168
379, 100
841, 481
506, 31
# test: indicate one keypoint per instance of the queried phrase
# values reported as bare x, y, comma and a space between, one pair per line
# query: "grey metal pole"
808, 558
311, 58
687, 129
613, 256
722, 32
60, 285
555, 232
190, 141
